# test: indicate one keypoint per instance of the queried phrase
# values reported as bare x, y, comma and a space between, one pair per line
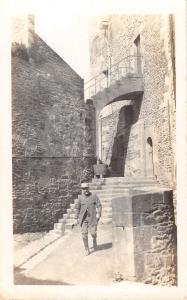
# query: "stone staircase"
106, 189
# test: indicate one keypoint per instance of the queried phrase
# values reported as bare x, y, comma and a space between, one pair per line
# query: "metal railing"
129, 64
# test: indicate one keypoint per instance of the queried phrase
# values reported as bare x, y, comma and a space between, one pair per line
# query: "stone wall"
43, 189
108, 132
52, 135
115, 137
144, 238
156, 110
134, 157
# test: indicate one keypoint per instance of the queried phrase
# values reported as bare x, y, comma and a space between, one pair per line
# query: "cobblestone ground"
67, 264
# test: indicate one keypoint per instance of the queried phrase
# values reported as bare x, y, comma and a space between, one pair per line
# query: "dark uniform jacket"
88, 205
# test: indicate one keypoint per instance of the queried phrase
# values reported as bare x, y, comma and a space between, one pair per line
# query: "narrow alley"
67, 263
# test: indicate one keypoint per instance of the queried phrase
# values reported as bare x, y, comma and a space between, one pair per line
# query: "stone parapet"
144, 237
129, 87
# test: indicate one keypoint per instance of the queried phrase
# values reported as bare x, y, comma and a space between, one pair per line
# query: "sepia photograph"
95, 192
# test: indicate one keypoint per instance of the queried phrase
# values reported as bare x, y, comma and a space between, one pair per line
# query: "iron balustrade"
129, 64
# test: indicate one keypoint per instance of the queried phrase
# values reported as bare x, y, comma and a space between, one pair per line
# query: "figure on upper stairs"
100, 169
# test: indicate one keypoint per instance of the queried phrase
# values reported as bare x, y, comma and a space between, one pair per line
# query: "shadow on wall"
128, 116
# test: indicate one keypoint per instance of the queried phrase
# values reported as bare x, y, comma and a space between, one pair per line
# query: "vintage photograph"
93, 154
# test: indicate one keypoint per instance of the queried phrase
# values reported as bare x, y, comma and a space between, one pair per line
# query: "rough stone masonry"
141, 46
144, 237
135, 56
53, 131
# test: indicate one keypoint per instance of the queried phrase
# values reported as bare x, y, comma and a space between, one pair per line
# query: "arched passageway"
113, 130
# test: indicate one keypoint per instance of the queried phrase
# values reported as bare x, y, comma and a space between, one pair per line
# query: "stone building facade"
133, 90
137, 51
53, 131
125, 115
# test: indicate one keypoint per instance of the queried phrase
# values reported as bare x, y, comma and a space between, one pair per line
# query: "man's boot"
85, 241
95, 243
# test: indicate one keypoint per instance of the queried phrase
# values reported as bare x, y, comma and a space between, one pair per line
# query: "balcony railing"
130, 64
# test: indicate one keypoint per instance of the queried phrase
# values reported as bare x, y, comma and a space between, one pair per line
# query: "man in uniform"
88, 212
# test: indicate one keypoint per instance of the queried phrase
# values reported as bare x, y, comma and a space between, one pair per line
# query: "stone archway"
149, 157
113, 125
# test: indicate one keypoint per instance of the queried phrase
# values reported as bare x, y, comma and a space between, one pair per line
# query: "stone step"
93, 188
110, 196
108, 199
58, 226
105, 221
106, 211
69, 226
72, 216
106, 215
65, 216
128, 186
129, 178
95, 185
69, 211
112, 191
61, 221
106, 189
106, 205
107, 208
124, 179
107, 202
70, 221
124, 185
98, 181
119, 181
111, 186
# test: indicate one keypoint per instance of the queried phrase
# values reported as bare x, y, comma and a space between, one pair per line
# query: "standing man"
88, 212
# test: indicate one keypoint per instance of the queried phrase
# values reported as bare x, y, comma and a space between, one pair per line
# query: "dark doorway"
117, 160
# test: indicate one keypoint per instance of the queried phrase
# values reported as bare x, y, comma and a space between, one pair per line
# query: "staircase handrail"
111, 71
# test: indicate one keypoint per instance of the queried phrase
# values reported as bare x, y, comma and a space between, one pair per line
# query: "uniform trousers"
87, 226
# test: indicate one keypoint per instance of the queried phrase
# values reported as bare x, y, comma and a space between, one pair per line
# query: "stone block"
157, 198
142, 239
168, 198
122, 219
147, 219
136, 219
149, 259
145, 234
124, 264
139, 265
141, 203
122, 240
122, 204
161, 219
